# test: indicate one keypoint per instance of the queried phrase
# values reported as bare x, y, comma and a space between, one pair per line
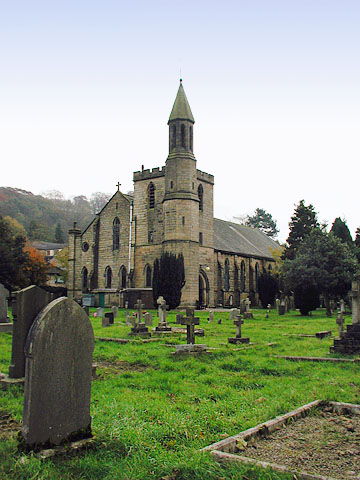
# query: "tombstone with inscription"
248, 313
190, 321
238, 339
140, 328
57, 390
162, 313
110, 317
349, 342
4, 294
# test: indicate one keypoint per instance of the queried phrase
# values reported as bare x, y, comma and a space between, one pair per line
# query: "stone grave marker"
27, 303
86, 309
349, 342
248, 313
130, 320
238, 339
340, 323
57, 390
286, 304
233, 313
4, 294
162, 313
110, 316
268, 310
115, 311
148, 319
139, 329
190, 321
99, 312
211, 316
242, 306
105, 322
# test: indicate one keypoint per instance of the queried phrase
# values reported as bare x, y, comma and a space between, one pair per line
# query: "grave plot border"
225, 449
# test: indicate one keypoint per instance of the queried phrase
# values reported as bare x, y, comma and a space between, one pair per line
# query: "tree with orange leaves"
35, 267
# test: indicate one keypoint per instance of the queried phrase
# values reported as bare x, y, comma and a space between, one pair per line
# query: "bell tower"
181, 201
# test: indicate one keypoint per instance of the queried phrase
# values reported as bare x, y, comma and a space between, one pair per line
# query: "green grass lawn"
152, 411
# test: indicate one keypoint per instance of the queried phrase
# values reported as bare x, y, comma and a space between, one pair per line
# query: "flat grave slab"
318, 441
318, 359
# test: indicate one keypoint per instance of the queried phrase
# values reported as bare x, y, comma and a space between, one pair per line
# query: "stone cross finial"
118, 186
340, 323
238, 322
162, 309
139, 307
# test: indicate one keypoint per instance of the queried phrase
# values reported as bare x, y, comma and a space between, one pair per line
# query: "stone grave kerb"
57, 390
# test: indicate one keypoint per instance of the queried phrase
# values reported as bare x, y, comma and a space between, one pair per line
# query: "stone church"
171, 210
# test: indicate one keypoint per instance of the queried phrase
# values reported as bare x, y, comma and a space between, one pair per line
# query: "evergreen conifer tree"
341, 231
169, 278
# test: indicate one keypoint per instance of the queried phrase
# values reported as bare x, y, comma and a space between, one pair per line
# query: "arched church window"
151, 195
182, 132
148, 276
173, 137
122, 275
219, 275
201, 197
116, 234
227, 275
257, 275
84, 279
108, 277
191, 138
242, 276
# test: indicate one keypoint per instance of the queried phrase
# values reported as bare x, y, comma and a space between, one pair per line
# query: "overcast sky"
86, 89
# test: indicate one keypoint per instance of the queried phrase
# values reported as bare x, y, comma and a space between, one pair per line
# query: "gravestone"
115, 311
281, 305
26, 305
286, 304
342, 306
140, 328
211, 316
268, 310
110, 317
349, 342
130, 320
238, 339
340, 323
248, 313
105, 322
148, 319
4, 294
162, 313
190, 321
99, 312
57, 390
233, 313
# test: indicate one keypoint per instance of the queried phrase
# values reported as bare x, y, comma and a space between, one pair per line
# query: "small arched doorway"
204, 290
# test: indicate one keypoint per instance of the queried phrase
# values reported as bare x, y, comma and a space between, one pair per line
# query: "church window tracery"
116, 234
151, 195
201, 197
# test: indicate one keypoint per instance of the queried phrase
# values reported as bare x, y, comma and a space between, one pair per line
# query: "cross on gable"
118, 186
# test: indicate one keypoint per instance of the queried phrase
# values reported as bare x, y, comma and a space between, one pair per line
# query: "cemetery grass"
153, 411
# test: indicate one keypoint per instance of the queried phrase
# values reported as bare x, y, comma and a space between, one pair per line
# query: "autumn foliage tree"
35, 266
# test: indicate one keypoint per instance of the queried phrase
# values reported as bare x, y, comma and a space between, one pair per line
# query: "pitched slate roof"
181, 109
247, 241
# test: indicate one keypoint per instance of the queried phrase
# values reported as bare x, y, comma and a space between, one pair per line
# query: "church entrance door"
203, 290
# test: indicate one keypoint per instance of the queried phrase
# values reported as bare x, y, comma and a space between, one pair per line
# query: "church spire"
181, 109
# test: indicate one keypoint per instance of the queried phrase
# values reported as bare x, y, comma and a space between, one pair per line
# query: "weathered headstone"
242, 306
57, 391
139, 329
268, 310
211, 316
162, 313
99, 312
340, 323
110, 317
286, 304
190, 321
349, 342
105, 322
233, 313
4, 294
248, 313
26, 304
148, 319
130, 320
86, 309
238, 339
115, 311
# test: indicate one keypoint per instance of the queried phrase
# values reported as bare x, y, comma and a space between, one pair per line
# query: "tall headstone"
162, 313
115, 311
99, 312
211, 316
57, 390
4, 295
27, 303
248, 313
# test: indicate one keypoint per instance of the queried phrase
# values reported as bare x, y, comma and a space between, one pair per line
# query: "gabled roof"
181, 109
247, 241
40, 245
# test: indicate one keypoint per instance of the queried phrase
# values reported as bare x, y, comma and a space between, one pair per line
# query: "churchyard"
153, 411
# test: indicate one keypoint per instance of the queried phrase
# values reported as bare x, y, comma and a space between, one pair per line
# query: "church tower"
181, 200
